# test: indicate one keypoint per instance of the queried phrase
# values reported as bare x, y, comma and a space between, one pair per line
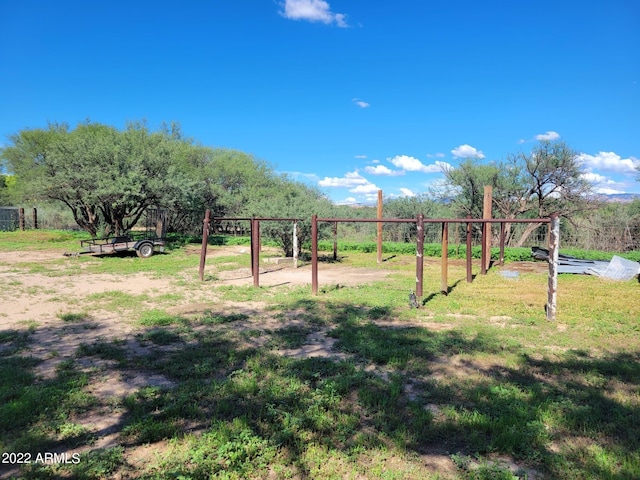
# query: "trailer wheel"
145, 250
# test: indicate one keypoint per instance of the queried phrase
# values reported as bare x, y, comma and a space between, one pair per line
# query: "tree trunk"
527, 233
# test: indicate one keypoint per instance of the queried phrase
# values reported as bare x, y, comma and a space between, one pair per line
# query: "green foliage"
106, 177
287, 199
534, 185
511, 254
159, 318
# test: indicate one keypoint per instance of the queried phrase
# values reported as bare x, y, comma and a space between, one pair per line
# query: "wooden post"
21, 218
205, 242
419, 254
444, 284
486, 214
469, 246
295, 244
335, 241
554, 251
379, 224
483, 256
35, 218
314, 254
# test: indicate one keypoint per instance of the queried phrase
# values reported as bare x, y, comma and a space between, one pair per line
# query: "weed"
159, 318
73, 317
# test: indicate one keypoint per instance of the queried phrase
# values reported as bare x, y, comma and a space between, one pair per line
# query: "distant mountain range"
620, 197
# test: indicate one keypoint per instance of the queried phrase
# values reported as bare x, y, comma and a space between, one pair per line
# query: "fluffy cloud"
412, 164
597, 178
382, 170
369, 188
350, 180
313, 11
609, 161
348, 201
360, 103
466, 151
407, 193
549, 136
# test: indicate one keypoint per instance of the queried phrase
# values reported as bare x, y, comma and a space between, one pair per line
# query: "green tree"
465, 186
106, 177
534, 185
7, 185
285, 198
409, 207
557, 183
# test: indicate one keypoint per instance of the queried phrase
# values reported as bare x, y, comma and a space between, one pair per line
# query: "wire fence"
614, 235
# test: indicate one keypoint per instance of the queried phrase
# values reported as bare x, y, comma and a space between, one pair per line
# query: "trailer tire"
145, 250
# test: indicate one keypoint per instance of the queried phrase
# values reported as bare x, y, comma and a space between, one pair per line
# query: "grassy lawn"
476, 384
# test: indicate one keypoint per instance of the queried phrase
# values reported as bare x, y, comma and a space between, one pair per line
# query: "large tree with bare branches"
548, 179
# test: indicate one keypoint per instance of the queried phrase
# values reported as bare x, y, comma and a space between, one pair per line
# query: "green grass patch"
160, 318
71, 317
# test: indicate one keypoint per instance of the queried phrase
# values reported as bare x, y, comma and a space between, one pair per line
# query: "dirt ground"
37, 301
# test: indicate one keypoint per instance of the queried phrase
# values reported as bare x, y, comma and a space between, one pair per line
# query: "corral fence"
553, 223
14, 218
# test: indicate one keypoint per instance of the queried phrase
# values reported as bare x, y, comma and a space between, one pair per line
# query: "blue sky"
351, 96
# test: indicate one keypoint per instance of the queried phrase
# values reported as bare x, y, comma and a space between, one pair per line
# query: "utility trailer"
145, 243
144, 247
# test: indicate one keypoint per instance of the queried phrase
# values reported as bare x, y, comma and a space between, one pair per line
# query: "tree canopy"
549, 179
109, 177
106, 177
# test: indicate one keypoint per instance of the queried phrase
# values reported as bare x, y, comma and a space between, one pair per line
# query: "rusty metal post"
205, 242
379, 225
554, 251
502, 233
35, 218
21, 218
444, 284
469, 253
255, 245
335, 240
314, 254
419, 254
483, 257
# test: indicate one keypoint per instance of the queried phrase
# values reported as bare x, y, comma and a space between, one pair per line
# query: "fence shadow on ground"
237, 407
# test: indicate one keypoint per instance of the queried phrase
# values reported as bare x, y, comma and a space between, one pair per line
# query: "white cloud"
610, 162
412, 164
597, 178
360, 103
436, 155
313, 11
382, 170
361, 156
605, 185
549, 136
467, 151
407, 193
365, 189
348, 201
308, 176
350, 180
608, 191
